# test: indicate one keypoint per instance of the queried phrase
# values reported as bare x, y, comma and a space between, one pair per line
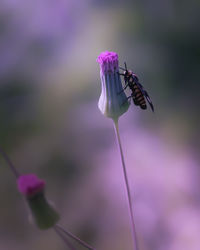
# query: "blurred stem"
116, 128
7, 159
64, 238
74, 237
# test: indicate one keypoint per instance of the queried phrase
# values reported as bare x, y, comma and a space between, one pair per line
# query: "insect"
138, 93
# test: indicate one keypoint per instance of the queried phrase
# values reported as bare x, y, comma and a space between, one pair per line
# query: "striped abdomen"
138, 97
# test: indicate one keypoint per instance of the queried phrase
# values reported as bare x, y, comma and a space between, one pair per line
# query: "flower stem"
116, 128
10, 164
64, 238
74, 237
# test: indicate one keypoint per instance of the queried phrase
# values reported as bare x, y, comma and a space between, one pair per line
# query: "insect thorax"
128, 74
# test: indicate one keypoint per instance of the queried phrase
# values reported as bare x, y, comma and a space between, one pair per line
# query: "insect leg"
123, 89
126, 100
125, 86
120, 74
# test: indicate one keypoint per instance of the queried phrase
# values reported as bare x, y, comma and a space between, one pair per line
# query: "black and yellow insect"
138, 93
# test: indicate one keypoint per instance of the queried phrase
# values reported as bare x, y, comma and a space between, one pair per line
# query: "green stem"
116, 128
64, 238
10, 164
74, 237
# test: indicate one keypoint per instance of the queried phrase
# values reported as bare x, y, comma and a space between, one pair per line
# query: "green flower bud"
32, 188
113, 102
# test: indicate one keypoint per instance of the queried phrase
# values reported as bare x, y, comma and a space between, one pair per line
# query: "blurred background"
51, 126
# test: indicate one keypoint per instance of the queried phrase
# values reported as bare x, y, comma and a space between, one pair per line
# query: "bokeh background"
50, 124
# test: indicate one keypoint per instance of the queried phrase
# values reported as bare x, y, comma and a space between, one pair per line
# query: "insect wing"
149, 100
144, 92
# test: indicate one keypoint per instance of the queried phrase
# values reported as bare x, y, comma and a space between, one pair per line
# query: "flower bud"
33, 189
113, 101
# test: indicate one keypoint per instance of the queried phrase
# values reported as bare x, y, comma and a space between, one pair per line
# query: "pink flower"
30, 184
108, 61
113, 101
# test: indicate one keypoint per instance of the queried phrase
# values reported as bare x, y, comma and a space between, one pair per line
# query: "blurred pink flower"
30, 184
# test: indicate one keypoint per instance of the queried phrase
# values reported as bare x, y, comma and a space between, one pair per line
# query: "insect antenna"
125, 65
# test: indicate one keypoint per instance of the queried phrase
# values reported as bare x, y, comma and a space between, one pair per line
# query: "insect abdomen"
138, 97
